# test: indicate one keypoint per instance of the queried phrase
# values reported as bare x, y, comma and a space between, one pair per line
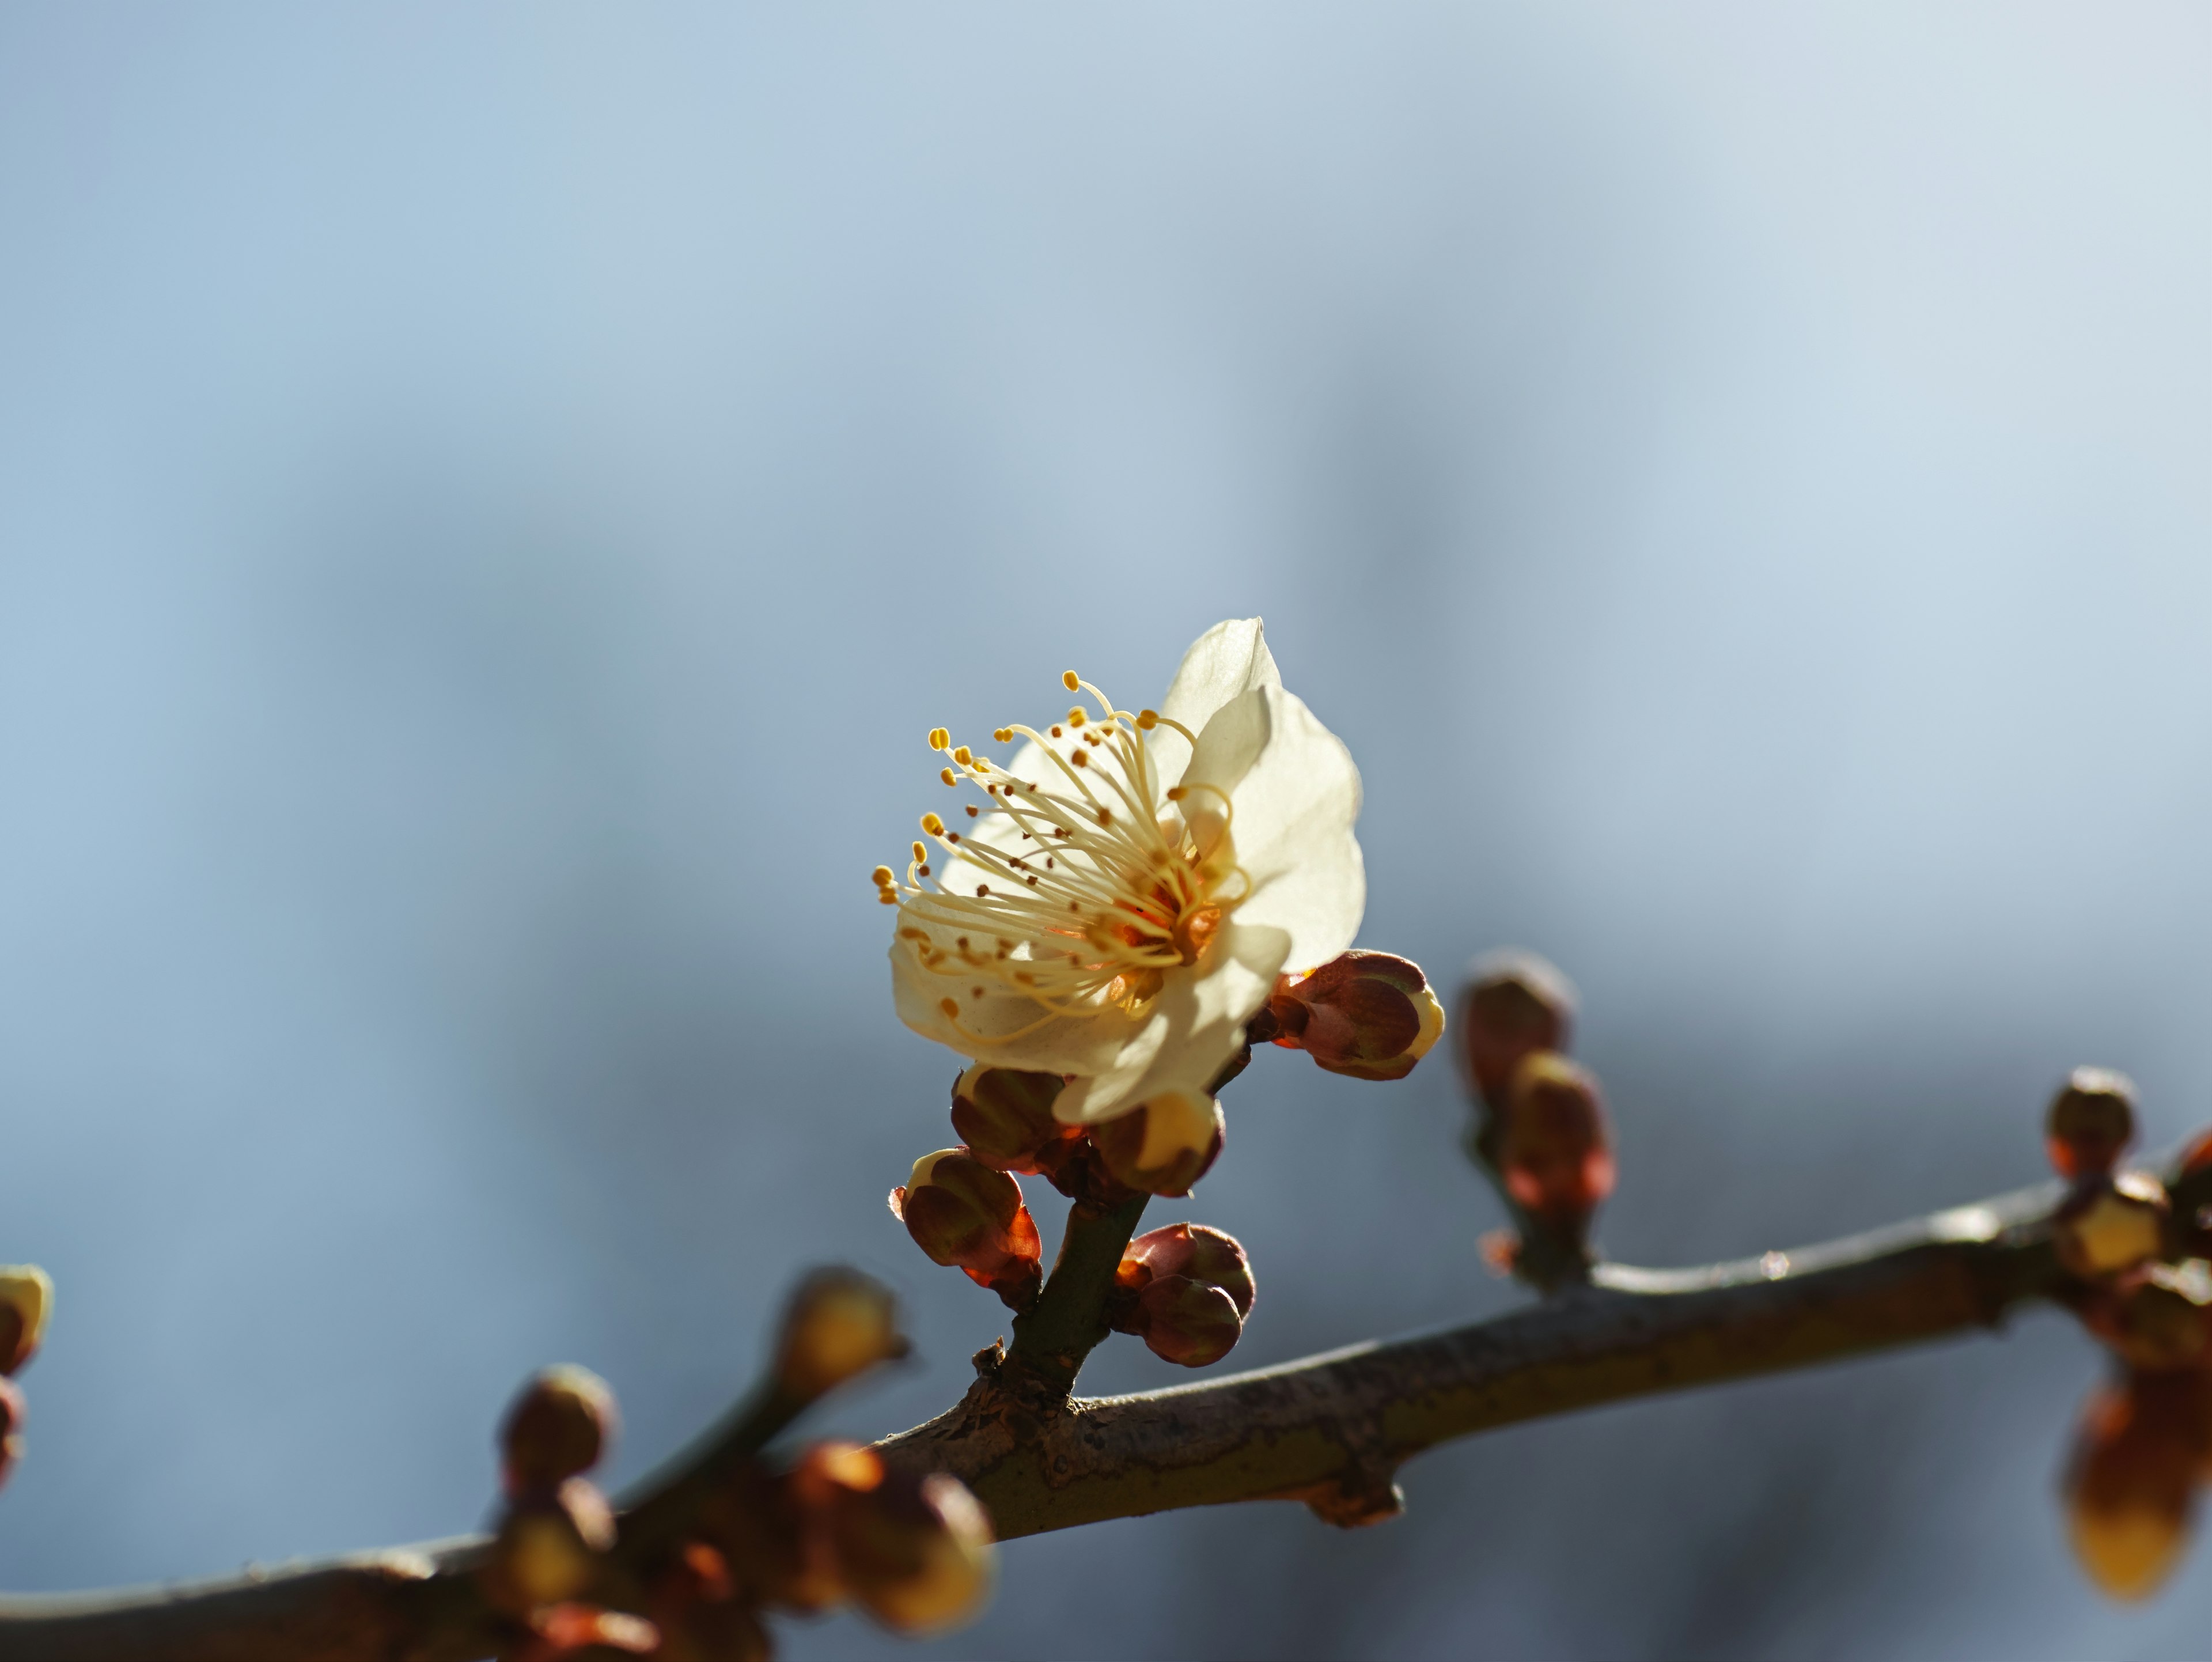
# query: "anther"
1175, 793
1070, 679
973, 811
1002, 735
932, 824
964, 756
889, 897
1055, 733
938, 737
948, 775
1105, 817
1077, 716
920, 852
982, 891
882, 875
1081, 758
1147, 720
950, 1005
922, 870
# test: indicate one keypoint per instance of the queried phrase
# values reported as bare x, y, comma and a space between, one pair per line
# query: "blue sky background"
491, 498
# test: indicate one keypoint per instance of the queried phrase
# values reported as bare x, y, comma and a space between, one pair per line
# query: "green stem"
1069, 1318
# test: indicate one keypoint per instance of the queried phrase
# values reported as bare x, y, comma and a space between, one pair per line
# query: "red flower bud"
839, 1323
1004, 1115
26, 1294
2156, 1319
1514, 1004
548, 1547
1366, 1015
11, 1427
2110, 1224
2130, 1484
915, 1552
1192, 1250
1554, 1150
1182, 1320
966, 1215
2092, 1119
558, 1427
1164, 1145
565, 1630
1185, 1290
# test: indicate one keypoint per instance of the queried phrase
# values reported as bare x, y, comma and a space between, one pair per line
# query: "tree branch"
1332, 1430
1329, 1430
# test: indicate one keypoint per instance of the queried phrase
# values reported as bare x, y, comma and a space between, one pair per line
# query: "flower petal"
1295, 796
1191, 1029
1229, 658
1003, 1027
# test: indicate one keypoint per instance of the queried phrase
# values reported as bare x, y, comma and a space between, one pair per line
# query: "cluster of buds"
26, 1294
2141, 1286
1184, 1290
836, 1525
549, 1553
1539, 1128
1367, 1015
964, 1205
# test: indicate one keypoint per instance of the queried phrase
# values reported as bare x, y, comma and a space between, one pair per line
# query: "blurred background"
491, 499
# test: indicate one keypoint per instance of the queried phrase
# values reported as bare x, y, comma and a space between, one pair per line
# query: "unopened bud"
2131, 1481
548, 1547
1165, 1145
2110, 1225
1192, 1250
2156, 1318
1185, 1290
26, 1294
966, 1215
2091, 1120
915, 1553
559, 1427
1514, 1003
1366, 1015
1004, 1115
1187, 1322
839, 1323
1554, 1150
565, 1630
11, 1426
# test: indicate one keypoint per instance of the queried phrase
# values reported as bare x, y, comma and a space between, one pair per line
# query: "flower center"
1080, 893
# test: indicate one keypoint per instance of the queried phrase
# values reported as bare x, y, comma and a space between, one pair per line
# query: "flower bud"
839, 1323
1186, 1321
1366, 1015
966, 1215
2110, 1225
11, 1426
1192, 1250
915, 1553
2130, 1483
1164, 1145
2156, 1319
1514, 1003
1554, 1150
27, 1293
1185, 1290
557, 1427
548, 1547
568, 1629
2092, 1119
1004, 1118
